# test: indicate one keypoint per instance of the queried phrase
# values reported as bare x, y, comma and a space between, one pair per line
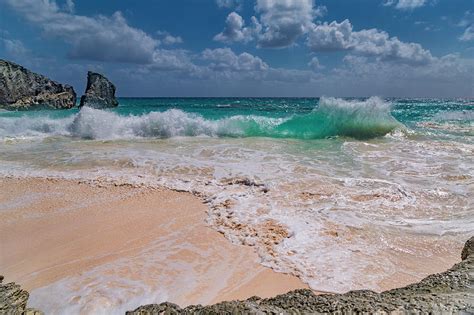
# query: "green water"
360, 184
301, 118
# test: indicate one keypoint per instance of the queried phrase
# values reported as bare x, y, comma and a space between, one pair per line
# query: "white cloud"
70, 6
332, 36
448, 75
228, 4
99, 38
234, 31
280, 23
283, 21
168, 39
220, 65
406, 4
171, 60
372, 42
171, 40
225, 59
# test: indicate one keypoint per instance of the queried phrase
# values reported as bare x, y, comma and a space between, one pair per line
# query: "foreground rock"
100, 92
450, 292
13, 300
22, 89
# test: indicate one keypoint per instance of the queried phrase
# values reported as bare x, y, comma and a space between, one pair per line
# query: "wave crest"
338, 117
333, 117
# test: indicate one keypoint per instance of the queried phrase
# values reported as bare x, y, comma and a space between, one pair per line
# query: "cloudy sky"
248, 47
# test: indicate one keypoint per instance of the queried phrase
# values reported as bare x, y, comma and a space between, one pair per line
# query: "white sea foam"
333, 117
358, 213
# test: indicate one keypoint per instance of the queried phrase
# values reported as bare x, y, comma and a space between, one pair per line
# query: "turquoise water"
366, 188
301, 118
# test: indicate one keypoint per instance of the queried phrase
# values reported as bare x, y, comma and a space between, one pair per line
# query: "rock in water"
22, 89
100, 92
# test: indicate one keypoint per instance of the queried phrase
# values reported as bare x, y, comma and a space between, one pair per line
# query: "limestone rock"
13, 300
100, 92
450, 292
22, 89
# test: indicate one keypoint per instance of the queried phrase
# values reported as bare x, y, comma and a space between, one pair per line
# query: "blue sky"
413, 48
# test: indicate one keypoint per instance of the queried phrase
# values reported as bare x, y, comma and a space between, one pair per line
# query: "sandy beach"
83, 238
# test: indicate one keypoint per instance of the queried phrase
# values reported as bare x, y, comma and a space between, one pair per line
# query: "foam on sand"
102, 249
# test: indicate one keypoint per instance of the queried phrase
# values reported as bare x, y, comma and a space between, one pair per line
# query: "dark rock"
468, 249
22, 89
100, 92
450, 292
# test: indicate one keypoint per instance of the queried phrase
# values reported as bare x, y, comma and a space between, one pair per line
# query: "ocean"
365, 189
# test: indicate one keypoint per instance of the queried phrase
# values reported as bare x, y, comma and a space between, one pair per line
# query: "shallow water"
365, 189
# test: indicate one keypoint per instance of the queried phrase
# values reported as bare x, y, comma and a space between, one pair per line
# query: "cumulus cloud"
226, 65
283, 21
168, 39
210, 64
235, 31
406, 4
279, 24
226, 59
171, 40
341, 36
70, 6
449, 75
171, 60
98, 38
228, 4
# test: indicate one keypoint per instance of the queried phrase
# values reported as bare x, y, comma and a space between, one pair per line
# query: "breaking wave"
333, 117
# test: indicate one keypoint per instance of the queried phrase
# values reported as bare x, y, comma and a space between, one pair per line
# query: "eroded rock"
100, 92
21, 89
13, 300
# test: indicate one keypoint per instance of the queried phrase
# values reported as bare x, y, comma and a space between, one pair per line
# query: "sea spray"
333, 117
360, 214
338, 117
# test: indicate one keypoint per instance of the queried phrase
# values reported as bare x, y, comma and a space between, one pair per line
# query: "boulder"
100, 92
22, 89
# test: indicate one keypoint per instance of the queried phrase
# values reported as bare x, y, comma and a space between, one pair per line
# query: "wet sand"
55, 231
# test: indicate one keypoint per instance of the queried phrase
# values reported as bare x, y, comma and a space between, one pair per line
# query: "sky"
290, 48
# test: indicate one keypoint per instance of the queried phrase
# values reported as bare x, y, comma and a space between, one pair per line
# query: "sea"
370, 191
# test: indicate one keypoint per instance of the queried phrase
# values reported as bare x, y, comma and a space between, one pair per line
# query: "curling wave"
333, 117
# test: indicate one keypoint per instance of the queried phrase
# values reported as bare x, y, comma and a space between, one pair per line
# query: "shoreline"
63, 236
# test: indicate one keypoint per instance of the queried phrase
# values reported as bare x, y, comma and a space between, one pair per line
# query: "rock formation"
22, 89
100, 92
450, 292
13, 300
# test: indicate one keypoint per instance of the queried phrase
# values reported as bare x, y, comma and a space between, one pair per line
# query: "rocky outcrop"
100, 92
22, 89
13, 300
450, 292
